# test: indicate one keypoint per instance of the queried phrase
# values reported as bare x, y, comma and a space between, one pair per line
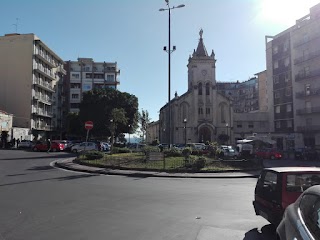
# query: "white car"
85, 146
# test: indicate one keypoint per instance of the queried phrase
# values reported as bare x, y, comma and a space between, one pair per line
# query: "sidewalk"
70, 165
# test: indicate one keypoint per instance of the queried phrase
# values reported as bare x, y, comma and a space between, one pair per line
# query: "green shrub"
186, 152
91, 155
199, 163
172, 153
147, 149
124, 150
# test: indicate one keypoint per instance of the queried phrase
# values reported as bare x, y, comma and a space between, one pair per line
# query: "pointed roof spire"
201, 49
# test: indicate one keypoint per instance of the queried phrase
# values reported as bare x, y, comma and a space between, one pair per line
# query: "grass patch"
138, 161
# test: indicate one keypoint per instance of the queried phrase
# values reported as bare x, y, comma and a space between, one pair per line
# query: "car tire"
54, 150
35, 149
272, 157
74, 151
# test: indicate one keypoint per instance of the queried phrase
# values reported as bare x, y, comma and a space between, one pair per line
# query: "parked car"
227, 152
277, 188
41, 146
301, 220
25, 144
268, 153
179, 147
196, 146
70, 144
64, 142
87, 146
104, 146
306, 154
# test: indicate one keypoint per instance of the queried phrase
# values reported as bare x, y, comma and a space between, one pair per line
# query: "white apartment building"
29, 73
85, 75
293, 77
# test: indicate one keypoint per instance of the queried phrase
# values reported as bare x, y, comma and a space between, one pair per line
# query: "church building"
201, 114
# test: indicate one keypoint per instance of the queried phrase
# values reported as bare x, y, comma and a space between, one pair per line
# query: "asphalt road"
38, 201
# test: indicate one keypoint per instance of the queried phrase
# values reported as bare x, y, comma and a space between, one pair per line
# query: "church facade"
201, 114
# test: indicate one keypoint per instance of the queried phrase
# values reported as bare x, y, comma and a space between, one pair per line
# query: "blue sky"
133, 34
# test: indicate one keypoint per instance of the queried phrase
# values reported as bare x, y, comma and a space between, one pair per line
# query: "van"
277, 188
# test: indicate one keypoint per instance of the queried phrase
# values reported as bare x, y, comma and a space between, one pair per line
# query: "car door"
310, 213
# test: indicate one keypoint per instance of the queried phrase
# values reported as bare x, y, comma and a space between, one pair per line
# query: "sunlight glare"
284, 12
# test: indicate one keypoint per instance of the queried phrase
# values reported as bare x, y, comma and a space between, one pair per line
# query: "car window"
82, 144
300, 182
310, 211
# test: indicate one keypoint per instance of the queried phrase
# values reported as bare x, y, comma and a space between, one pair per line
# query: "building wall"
85, 75
262, 91
16, 77
152, 132
29, 71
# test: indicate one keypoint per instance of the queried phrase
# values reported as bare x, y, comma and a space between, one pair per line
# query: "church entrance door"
205, 135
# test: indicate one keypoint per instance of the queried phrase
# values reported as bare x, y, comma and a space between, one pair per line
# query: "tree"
102, 105
144, 121
75, 127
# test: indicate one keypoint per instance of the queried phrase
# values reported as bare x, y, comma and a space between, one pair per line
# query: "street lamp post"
129, 132
112, 130
169, 51
227, 126
185, 131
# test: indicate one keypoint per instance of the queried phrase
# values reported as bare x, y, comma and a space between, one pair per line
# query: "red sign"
88, 125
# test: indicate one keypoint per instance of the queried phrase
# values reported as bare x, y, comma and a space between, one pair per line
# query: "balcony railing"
302, 76
44, 71
307, 57
310, 110
61, 69
42, 126
42, 112
43, 98
311, 92
44, 58
310, 128
43, 84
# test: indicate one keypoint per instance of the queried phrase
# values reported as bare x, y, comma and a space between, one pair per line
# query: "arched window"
207, 89
200, 88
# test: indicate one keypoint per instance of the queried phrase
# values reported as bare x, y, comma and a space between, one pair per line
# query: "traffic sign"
88, 125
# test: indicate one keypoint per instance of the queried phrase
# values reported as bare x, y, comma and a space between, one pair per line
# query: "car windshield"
300, 182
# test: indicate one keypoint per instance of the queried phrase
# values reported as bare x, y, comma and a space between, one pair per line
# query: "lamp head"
180, 6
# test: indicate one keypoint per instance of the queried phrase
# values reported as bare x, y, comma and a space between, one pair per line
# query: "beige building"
152, 132
84, 75
29, 73
262, 91
293, 72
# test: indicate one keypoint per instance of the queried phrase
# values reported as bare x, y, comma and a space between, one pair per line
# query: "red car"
55, 147
279, 187
268, 153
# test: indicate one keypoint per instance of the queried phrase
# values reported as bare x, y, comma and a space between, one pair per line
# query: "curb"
141, 174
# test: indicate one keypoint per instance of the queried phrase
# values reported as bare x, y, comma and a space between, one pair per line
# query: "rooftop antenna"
16, 24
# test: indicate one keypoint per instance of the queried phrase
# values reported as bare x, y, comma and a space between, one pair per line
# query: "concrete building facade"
84, 75
29, 73
293, 72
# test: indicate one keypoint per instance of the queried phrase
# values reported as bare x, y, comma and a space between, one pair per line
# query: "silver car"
85, 146
301, 220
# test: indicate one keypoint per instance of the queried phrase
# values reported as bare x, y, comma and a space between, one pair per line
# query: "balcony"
307, 75
43, 126
45, 85
42, 112
310, 128
311, 92
307, 57
311, 110
45, 58
39, 68
43, 98
61, 70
